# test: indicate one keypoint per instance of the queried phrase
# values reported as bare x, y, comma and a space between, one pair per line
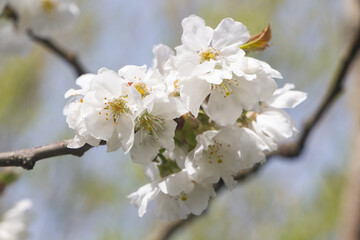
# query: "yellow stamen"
225, 89
48, 5
117, 107
141, 87
208, 54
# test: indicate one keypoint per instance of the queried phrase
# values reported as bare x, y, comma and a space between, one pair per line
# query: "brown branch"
27, 158
291, 150
294, 149
168, 228
64, 54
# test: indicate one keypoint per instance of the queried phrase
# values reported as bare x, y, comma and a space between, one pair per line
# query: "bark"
350, 211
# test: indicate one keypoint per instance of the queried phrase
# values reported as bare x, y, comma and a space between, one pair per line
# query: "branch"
64, 54
168, 228
27, 158
290, 150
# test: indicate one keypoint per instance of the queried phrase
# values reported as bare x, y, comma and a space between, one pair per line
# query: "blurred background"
85, 198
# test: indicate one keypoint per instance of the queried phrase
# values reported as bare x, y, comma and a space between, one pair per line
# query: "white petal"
175, 183
252, 148
15, 222
125, 128
270, 142
196, 35
216, 76
169, 208
107, 84
265, 87
143, 196
253, 66
198, 200
223, 110
145, 148
151, 171
203, 141
193, 93
132, 72
286, 98
71, 92
230, 33
205, 67
173, 108
114, 143
186, 60
277, 124
166, 135
162, 54
84, 80
98, 126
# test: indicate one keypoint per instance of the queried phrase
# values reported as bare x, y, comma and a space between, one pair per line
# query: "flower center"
142, 89
48, 5
149, 123
208, 54
214, 153
226, 87
176, 92
183, 196
116, 107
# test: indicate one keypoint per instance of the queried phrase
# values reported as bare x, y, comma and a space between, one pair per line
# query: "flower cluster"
196, 117
40, 17
15, 222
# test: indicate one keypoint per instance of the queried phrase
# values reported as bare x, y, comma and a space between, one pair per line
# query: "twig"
291, 150
168, 228
64, 54
27, 158
294, 149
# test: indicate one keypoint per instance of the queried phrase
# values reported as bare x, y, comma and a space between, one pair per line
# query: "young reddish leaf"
259, 41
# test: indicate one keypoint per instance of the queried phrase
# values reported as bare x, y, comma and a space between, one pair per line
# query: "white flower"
148, 84
143, 196
285, 97
162, 55
108, 110
193, 200
216, 155
193, 92
210, 54
274, 125
211, 62
223, 153
176, 157
164, 62
155, 129
176, 196
84, 82
14, 224
73, 111
154, 125
228, 99
12, 41
75, 119
44, 17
